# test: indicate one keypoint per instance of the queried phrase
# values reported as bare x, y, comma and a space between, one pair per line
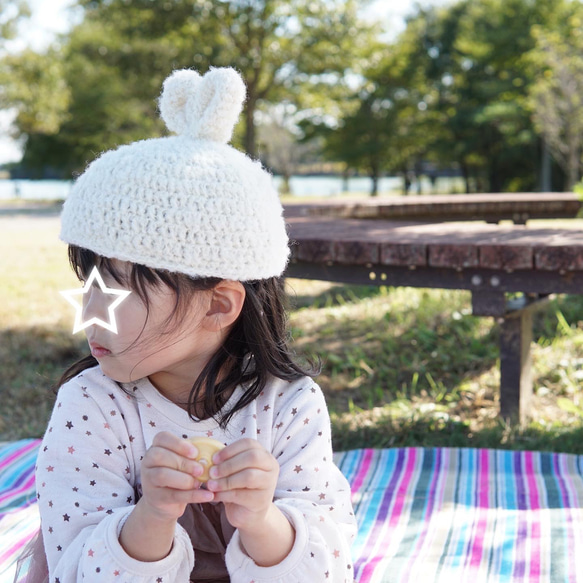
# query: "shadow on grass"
390, 351
544, 323
32, 360
418, 431
437, 350
335, 296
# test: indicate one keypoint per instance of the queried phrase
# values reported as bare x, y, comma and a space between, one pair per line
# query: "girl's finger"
250, 458
195, 496
248, 498
159, 457
162, 477
236, 448
178, 445
249, 478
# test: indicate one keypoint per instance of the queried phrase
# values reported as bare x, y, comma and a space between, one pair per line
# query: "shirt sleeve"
312, 493
85, 494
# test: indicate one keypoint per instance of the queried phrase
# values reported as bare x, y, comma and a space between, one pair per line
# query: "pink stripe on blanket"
395, 516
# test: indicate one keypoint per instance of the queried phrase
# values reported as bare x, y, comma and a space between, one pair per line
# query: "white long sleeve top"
88, 481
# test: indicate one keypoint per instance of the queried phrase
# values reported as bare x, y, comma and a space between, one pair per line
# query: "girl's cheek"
131, 322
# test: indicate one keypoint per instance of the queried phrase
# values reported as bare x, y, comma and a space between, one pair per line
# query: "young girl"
194, 229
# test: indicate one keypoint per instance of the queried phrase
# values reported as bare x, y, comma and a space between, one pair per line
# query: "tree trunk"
345, 173
418, 175
374, 191
285, 187
374, 174
250, 138
494, 184
406, 182
573, 168
546, 176
466, 175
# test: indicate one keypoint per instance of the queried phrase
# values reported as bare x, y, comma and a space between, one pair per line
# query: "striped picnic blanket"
444, 515
472, 515
19, 518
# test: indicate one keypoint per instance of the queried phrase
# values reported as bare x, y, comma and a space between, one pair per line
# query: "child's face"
170, 355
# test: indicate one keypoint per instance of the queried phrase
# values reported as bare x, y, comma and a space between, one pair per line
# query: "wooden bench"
488, 260
492, 208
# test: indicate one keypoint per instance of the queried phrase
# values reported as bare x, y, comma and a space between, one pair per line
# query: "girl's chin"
117, 375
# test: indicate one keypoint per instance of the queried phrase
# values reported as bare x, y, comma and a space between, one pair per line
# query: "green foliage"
452, 90
111, 66
556, 96
11, 12
475, 61
578, 188
474, 85
34, 84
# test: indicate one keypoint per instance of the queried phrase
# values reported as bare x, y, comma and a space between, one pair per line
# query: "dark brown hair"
256, 347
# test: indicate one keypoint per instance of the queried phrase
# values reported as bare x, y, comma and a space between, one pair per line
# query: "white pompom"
205, 107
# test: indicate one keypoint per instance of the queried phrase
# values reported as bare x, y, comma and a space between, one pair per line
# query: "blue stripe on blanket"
432, 515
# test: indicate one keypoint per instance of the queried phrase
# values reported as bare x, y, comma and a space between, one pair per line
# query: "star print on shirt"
294, 412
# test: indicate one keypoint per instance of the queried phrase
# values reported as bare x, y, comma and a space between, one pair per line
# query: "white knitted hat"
188, 203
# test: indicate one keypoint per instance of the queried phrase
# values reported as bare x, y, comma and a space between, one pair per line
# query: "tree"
116, 59
386, 124
34, 85
557, 95
279, 147
476, 62
11, 12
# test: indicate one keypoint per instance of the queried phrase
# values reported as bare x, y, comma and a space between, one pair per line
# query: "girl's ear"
225, 306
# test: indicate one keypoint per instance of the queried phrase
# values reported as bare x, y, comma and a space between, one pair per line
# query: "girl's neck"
179, 393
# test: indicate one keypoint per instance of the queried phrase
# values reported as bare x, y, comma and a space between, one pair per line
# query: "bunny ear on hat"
190, 203
203, 107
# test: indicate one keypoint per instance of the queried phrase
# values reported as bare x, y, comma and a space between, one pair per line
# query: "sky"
51, 17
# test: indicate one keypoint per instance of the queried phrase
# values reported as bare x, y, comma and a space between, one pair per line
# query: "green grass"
414, 367
36, 343
401, 366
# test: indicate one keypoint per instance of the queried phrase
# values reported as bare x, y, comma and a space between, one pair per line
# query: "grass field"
400, 366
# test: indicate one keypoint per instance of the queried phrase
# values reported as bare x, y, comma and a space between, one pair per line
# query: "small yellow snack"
207, 447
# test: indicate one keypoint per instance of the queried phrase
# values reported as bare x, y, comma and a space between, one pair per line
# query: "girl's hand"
169, 475
244, 478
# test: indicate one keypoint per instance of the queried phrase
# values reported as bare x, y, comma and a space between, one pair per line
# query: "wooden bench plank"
490, 261
518, 207
562, 252
452, 245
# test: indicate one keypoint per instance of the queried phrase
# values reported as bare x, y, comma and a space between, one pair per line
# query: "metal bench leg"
516, 366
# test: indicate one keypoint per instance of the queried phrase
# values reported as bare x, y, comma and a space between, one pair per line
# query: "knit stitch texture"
189, 203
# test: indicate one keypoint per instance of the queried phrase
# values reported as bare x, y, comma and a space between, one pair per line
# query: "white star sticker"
79, 324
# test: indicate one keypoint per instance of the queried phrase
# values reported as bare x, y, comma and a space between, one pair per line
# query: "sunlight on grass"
36, 265
408, 366
401, 366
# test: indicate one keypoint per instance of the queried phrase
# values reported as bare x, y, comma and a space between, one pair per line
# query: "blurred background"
343, 95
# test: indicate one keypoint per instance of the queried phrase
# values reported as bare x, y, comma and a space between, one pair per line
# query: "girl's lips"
98, 351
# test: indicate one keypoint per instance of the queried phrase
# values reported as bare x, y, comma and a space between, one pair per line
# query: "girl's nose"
96, 304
